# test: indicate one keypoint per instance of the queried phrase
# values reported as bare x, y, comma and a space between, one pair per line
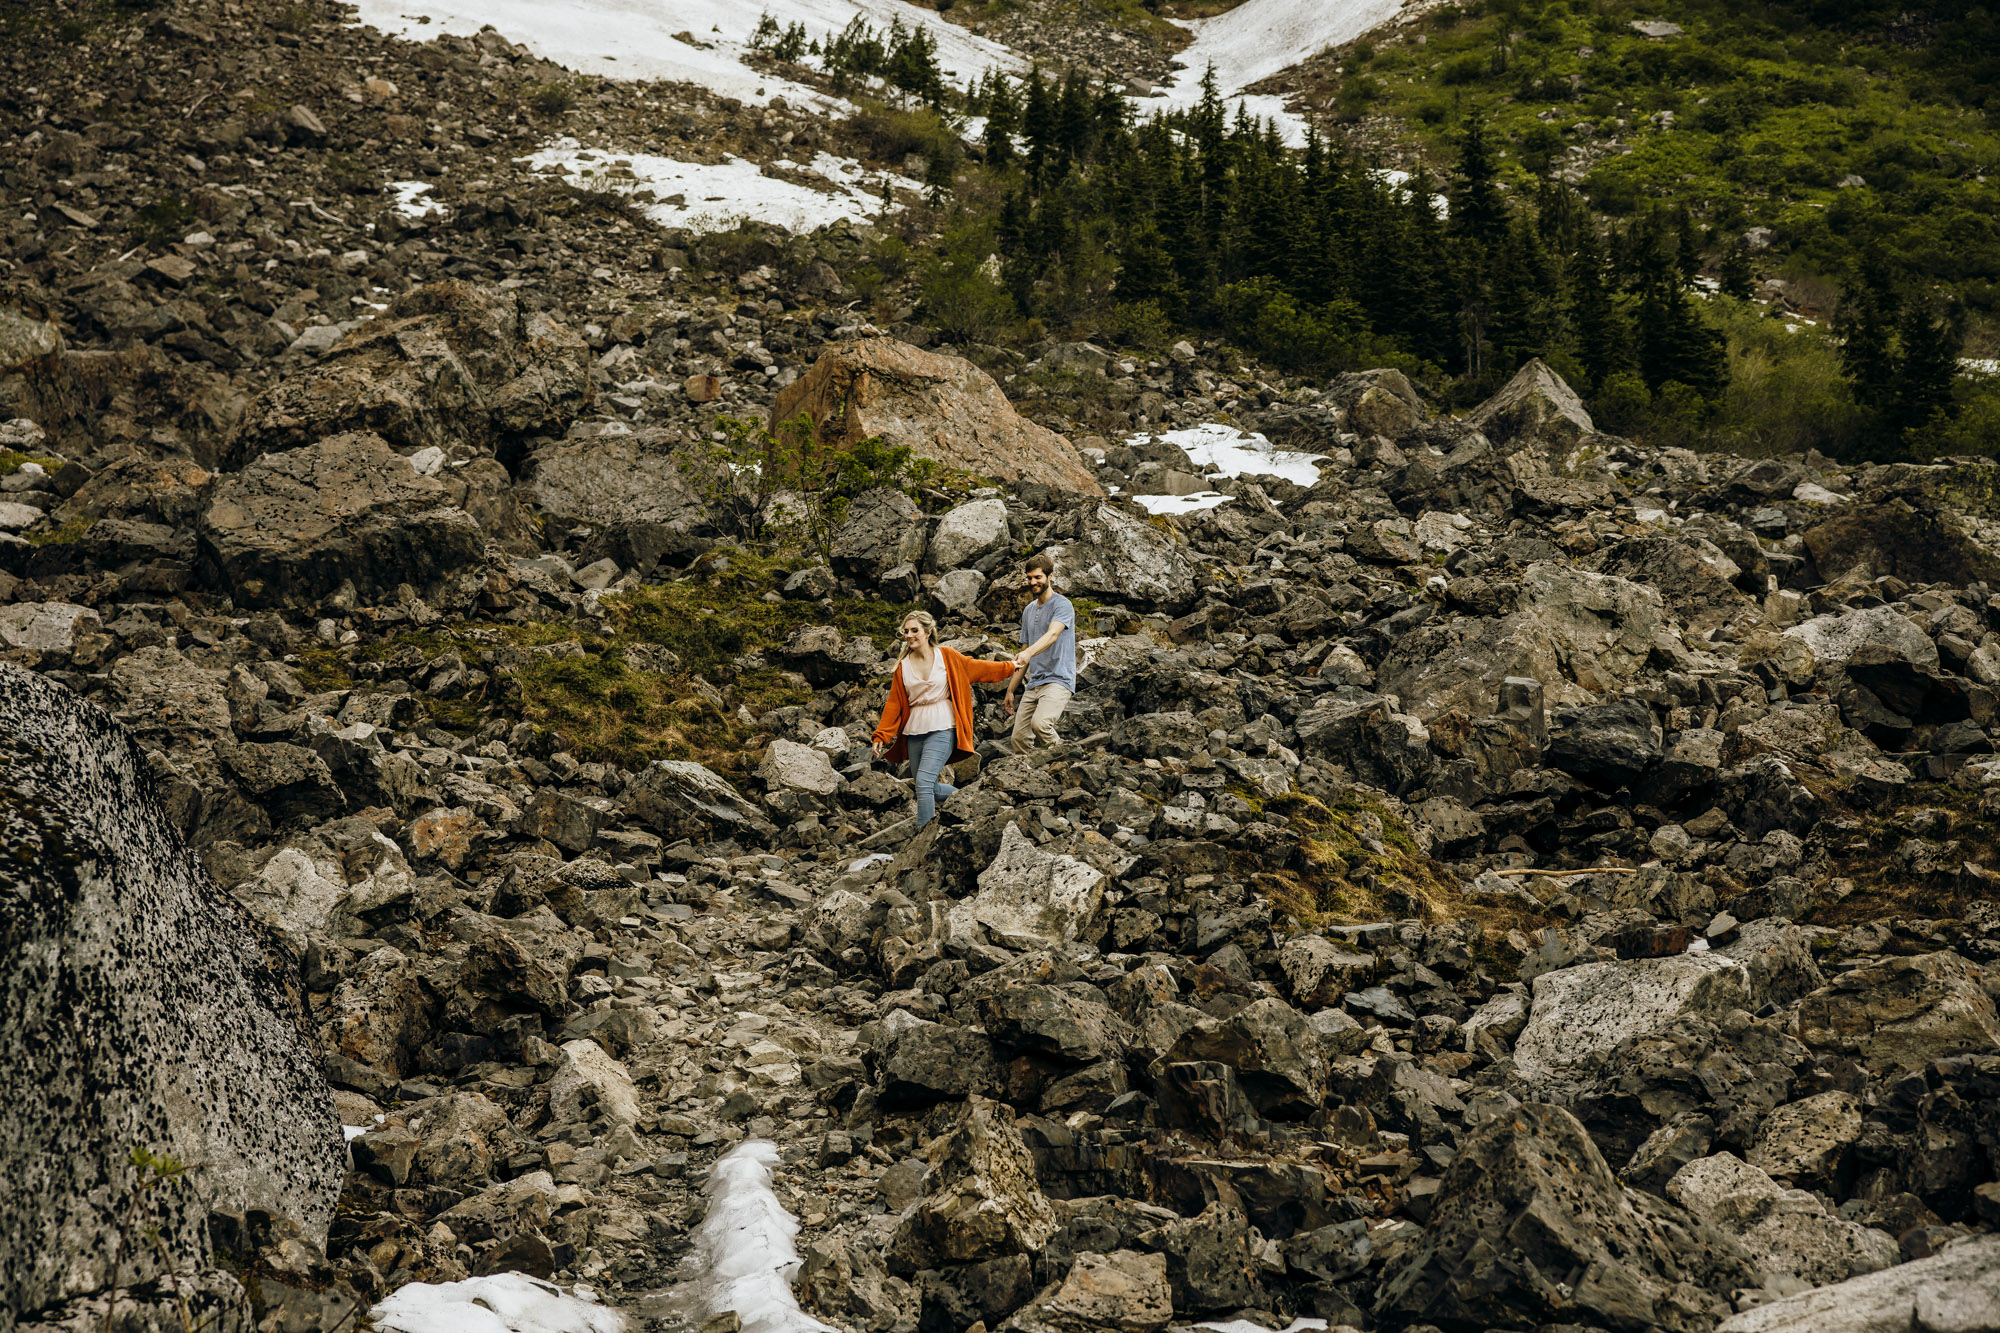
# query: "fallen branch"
1558, 874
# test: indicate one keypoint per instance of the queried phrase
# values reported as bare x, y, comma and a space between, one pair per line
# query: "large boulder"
1835, 638
678, 798
1530, 1228
1581, 1015
1580, 633
1536, 404
981, 1200
1903, 1013
1787, 1232
940, 407
1031, 899
641, 490
1109, 554
446, 366
1956, 1291
881, 531
144, 1011
968, 533
291, 527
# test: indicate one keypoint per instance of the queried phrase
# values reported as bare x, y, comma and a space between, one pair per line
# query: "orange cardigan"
959, 673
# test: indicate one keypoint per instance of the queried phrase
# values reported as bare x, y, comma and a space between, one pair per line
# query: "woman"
928, 717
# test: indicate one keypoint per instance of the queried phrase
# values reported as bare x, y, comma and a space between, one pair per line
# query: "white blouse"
930, 697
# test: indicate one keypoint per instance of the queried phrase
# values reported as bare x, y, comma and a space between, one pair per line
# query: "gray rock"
1611, 743
958, 591
1276, 1055
1529, 1203
883, 530
981, 1200
1582, 1014
192, 1043
292, 527
790, 766
967, 533
1031, 899
1110, 555
678, 798
931, 1062
447, 365
1047, 1021
1836, 637
45, 627
1957, 1291
1320, 972
1903, 1012
1788, 1233
1536, 404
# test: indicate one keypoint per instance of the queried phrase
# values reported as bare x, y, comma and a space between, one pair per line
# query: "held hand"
1021, 659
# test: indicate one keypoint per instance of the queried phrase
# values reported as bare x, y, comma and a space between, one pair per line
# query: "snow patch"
1181, 504
1299, 1325
634, 39
1981, 365
715, 197
352, 1132
1264, 37
1216, 448
410, 201
502, 1303
744, 1259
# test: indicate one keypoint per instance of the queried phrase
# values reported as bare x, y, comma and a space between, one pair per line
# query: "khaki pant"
1035, 717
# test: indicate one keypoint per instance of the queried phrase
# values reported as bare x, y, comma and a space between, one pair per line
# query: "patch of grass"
1361, 862
549, 97
60, 536
711, 618
12, 459
163, 221
1906, 859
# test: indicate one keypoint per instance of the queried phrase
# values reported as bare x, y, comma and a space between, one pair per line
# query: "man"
1047, 659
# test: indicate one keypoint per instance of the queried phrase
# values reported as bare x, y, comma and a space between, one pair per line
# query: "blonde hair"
928, 621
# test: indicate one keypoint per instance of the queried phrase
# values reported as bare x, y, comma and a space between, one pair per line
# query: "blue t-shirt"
1056, 664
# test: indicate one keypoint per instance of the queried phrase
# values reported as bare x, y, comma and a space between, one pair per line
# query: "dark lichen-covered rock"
143, 1011
293, 527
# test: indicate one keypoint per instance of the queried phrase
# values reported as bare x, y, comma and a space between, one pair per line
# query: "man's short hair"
1041, 562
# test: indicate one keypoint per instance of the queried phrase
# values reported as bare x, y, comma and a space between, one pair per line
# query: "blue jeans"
930, 751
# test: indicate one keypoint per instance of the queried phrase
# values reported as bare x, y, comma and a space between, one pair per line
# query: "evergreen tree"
1737, 279
1930, 335
1476, 210
1038, 125
1003, 118
1867, 328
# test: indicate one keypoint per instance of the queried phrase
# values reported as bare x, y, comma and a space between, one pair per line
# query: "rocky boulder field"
1517, 880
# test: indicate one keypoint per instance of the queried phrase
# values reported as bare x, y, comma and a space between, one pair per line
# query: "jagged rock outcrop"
448, 366
939, 406
294, 527
145, 1012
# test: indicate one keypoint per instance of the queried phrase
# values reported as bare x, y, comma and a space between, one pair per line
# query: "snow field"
1222, 450
743, 1255
715, 197
502, 1303
635, 39
1264, 37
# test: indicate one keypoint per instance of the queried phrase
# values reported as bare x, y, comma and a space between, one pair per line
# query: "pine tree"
1930, 335
1476, 210
1737, 279
1003, 118
1038, 125
1867, 327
